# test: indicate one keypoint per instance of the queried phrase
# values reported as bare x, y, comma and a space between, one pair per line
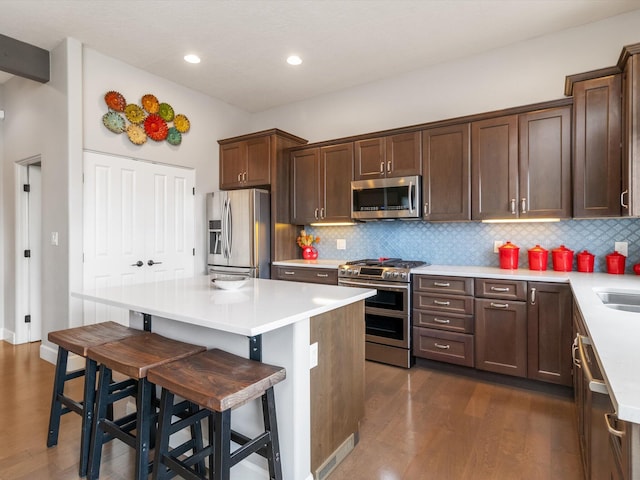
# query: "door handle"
513, 206
139, 263
622, 204
151, 263
523, 205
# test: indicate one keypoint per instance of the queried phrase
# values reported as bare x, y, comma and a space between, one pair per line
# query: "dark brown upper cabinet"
597, 163
629, 63
521, 165
321, 184
391, 156
245, 163
446, 159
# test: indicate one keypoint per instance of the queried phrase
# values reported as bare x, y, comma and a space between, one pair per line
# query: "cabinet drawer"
453, 323
303, 274
443, 303
448, 285
503, 289
444, 346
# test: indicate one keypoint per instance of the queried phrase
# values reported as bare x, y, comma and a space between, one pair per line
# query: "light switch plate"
496, 245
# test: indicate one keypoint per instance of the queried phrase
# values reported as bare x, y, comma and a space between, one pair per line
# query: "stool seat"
212, 384
133, 357
78, 340
217, 380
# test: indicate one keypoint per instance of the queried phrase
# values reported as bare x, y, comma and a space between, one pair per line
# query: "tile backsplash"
471, 243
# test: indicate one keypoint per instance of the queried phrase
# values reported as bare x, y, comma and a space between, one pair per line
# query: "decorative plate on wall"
115, 101
136, 134
156, 127
114, 122
150, 103
182, 123
174, 137
166, 112
134, 113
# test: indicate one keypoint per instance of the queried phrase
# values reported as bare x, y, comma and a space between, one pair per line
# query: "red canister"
615, 263
585, 261
562, 258
538, 257
509, 256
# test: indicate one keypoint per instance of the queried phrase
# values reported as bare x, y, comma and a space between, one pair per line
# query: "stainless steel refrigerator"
239, 232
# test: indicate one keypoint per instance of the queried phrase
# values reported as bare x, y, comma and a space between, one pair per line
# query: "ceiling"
244, 43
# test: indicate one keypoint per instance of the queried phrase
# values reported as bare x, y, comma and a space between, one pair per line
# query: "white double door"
138, 226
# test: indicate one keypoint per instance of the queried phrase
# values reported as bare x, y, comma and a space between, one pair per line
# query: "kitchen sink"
625, 301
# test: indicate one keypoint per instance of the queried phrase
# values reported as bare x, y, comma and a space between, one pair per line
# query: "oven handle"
393, 288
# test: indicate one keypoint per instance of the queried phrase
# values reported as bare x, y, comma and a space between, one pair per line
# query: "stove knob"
352, 272
403, 275
395, 274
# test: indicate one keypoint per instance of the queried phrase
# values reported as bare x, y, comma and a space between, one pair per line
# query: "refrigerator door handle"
229, 229
225, 228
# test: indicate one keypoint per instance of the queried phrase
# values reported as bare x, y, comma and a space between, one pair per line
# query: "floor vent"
334, 460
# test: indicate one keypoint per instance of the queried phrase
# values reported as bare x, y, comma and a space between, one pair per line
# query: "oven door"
386, 313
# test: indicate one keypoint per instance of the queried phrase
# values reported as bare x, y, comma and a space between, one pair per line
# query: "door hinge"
194, 190
26, 188
194, 252
27, 319
27, 254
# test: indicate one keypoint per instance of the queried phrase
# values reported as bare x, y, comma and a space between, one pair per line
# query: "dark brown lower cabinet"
501, 336
549, 337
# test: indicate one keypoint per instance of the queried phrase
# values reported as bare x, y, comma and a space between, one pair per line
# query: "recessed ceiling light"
191, 58
294, 60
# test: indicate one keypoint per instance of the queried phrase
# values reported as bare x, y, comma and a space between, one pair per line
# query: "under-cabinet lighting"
521, 220
333, 224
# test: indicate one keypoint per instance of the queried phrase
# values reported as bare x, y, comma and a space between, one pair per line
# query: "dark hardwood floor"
429, 422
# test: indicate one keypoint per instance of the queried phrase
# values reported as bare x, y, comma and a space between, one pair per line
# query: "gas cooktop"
387, 269
387, 262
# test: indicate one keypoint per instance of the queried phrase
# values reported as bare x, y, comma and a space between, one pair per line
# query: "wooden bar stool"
216, 381
132, 357
78, 340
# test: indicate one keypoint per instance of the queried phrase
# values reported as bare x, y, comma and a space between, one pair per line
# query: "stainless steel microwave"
384, 198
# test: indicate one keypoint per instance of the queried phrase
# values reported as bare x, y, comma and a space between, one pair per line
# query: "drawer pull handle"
440, 302
289, 273
322, 275
608, 418
499, 305
441, 346
441, 284
499, 289
443, 321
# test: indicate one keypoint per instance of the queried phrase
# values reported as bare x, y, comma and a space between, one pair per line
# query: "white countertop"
318, 263
614, 334
258, 307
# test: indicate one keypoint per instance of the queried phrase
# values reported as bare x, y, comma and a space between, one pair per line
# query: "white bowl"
229, 282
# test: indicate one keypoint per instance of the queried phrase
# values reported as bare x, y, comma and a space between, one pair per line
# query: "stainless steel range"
388, 313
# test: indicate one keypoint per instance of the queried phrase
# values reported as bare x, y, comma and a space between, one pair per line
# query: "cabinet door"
494, 164
258, 170
404, 154
501, 336
305, 201
545, 163
370, 159
597, 154
233, 162
336, 172
446, 178
549, 338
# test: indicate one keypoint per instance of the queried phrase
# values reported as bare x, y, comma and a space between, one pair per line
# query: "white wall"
210, 120
2, 208
520, 74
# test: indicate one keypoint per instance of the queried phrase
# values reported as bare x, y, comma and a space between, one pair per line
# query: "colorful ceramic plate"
114, 122
115, 101
136, 134
150, 103
182, 123
155, 127
174, 137
134, 113
166, 112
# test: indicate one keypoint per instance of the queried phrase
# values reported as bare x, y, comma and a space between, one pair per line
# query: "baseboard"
8, 336
336, 457
50, 354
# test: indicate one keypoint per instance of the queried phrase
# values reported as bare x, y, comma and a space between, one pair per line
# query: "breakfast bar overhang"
279, 319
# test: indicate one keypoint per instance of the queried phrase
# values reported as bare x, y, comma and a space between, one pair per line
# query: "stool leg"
87, 414
164, 429
97, 437
222, 445
271, 425
58, 390
145, 411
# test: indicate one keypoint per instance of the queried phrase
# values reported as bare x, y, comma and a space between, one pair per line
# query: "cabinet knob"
523, 205
533, 296
513, 206
389, 166
315, 214
622, 204
381, 168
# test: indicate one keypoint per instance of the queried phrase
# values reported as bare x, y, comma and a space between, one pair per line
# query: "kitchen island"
274, 321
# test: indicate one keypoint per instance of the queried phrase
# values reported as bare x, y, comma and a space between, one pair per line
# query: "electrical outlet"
341, 244
313, 355
496, 245
622, 248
